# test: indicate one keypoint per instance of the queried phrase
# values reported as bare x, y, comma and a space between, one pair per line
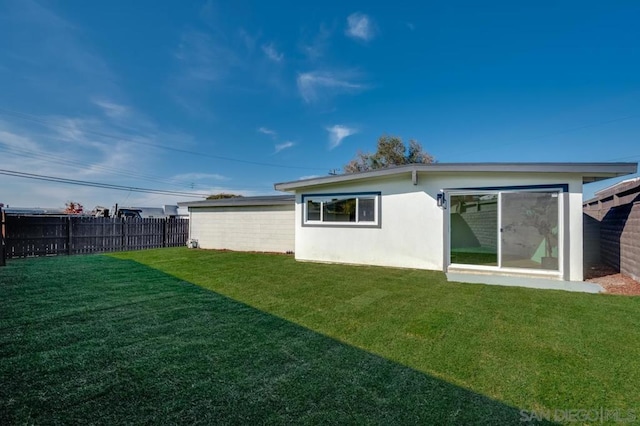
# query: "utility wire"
177, 183
586, 126
568, 130
36, 119
625, 158
97, 184
86, 166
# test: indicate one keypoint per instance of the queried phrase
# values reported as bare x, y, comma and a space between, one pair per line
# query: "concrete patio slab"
528, 282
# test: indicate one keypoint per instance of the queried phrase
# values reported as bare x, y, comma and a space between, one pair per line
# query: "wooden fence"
28, 236
3, 256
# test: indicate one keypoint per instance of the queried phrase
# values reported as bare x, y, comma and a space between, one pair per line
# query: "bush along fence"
28, 236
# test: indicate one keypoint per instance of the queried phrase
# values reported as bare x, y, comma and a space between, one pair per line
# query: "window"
313, 210
342, 209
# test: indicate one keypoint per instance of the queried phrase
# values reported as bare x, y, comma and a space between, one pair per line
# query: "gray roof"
590, 172
34, 210
151, 212
265, 200
171, 210
146, 211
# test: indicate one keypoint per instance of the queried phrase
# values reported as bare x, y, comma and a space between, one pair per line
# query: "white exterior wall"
574, 262
414, 229
402, 240
246, 228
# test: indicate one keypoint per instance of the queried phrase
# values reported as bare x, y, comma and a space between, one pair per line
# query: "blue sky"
213, 96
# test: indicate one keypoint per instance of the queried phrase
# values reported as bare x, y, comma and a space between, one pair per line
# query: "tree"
222, 196
72, 207
391, 151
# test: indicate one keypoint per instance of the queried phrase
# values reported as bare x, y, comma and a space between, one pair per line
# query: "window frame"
562, 190
322, 198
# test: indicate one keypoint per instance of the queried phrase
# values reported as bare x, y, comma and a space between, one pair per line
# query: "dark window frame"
321, 198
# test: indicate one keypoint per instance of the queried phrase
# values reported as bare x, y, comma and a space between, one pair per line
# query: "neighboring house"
483, 218
244, 223
168, 211
612, 227
34, 211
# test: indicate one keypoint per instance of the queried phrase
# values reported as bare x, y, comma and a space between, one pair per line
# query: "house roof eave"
590, 172
275, 200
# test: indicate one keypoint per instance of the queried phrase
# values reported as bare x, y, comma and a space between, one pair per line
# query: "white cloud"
45, 55
209, 12
14, 141
337, 133
67, 130
317, 84
279, 147
202, 59
267, 131
198, 177
360, 26
314, 47
308, 177
218, 58
272, 53
109, 141
112, 109
248, 40
88, 148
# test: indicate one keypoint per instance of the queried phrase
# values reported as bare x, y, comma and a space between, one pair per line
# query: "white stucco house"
477, 219
483, 218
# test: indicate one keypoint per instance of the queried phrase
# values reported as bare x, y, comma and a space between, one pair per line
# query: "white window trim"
322, 198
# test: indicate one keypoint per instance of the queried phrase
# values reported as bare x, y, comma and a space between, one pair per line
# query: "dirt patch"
612, 281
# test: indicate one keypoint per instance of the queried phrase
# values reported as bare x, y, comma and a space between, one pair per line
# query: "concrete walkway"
514, 281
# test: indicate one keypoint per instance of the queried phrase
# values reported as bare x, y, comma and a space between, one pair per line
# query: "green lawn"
193, 336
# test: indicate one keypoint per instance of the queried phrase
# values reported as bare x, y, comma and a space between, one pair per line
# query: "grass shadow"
95, 339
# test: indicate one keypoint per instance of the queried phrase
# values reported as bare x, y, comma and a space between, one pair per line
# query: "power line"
97, 184
111, 170
36, 119
586, 126
568, 130
625, 158
86, 166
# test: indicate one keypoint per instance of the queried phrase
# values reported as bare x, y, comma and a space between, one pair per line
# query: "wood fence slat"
3, 252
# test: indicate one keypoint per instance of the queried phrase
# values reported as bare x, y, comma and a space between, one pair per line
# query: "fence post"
165, 232
3, 261
125, 234
69, 235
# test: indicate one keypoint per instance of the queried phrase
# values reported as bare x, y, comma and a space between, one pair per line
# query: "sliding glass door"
505, 229
529, 230
474, 223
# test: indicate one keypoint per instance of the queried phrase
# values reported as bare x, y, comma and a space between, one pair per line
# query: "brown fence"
28, 236
2, 250
617, 210
620, 239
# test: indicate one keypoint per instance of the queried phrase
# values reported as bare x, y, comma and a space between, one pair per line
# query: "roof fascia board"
239, 202
588, 170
